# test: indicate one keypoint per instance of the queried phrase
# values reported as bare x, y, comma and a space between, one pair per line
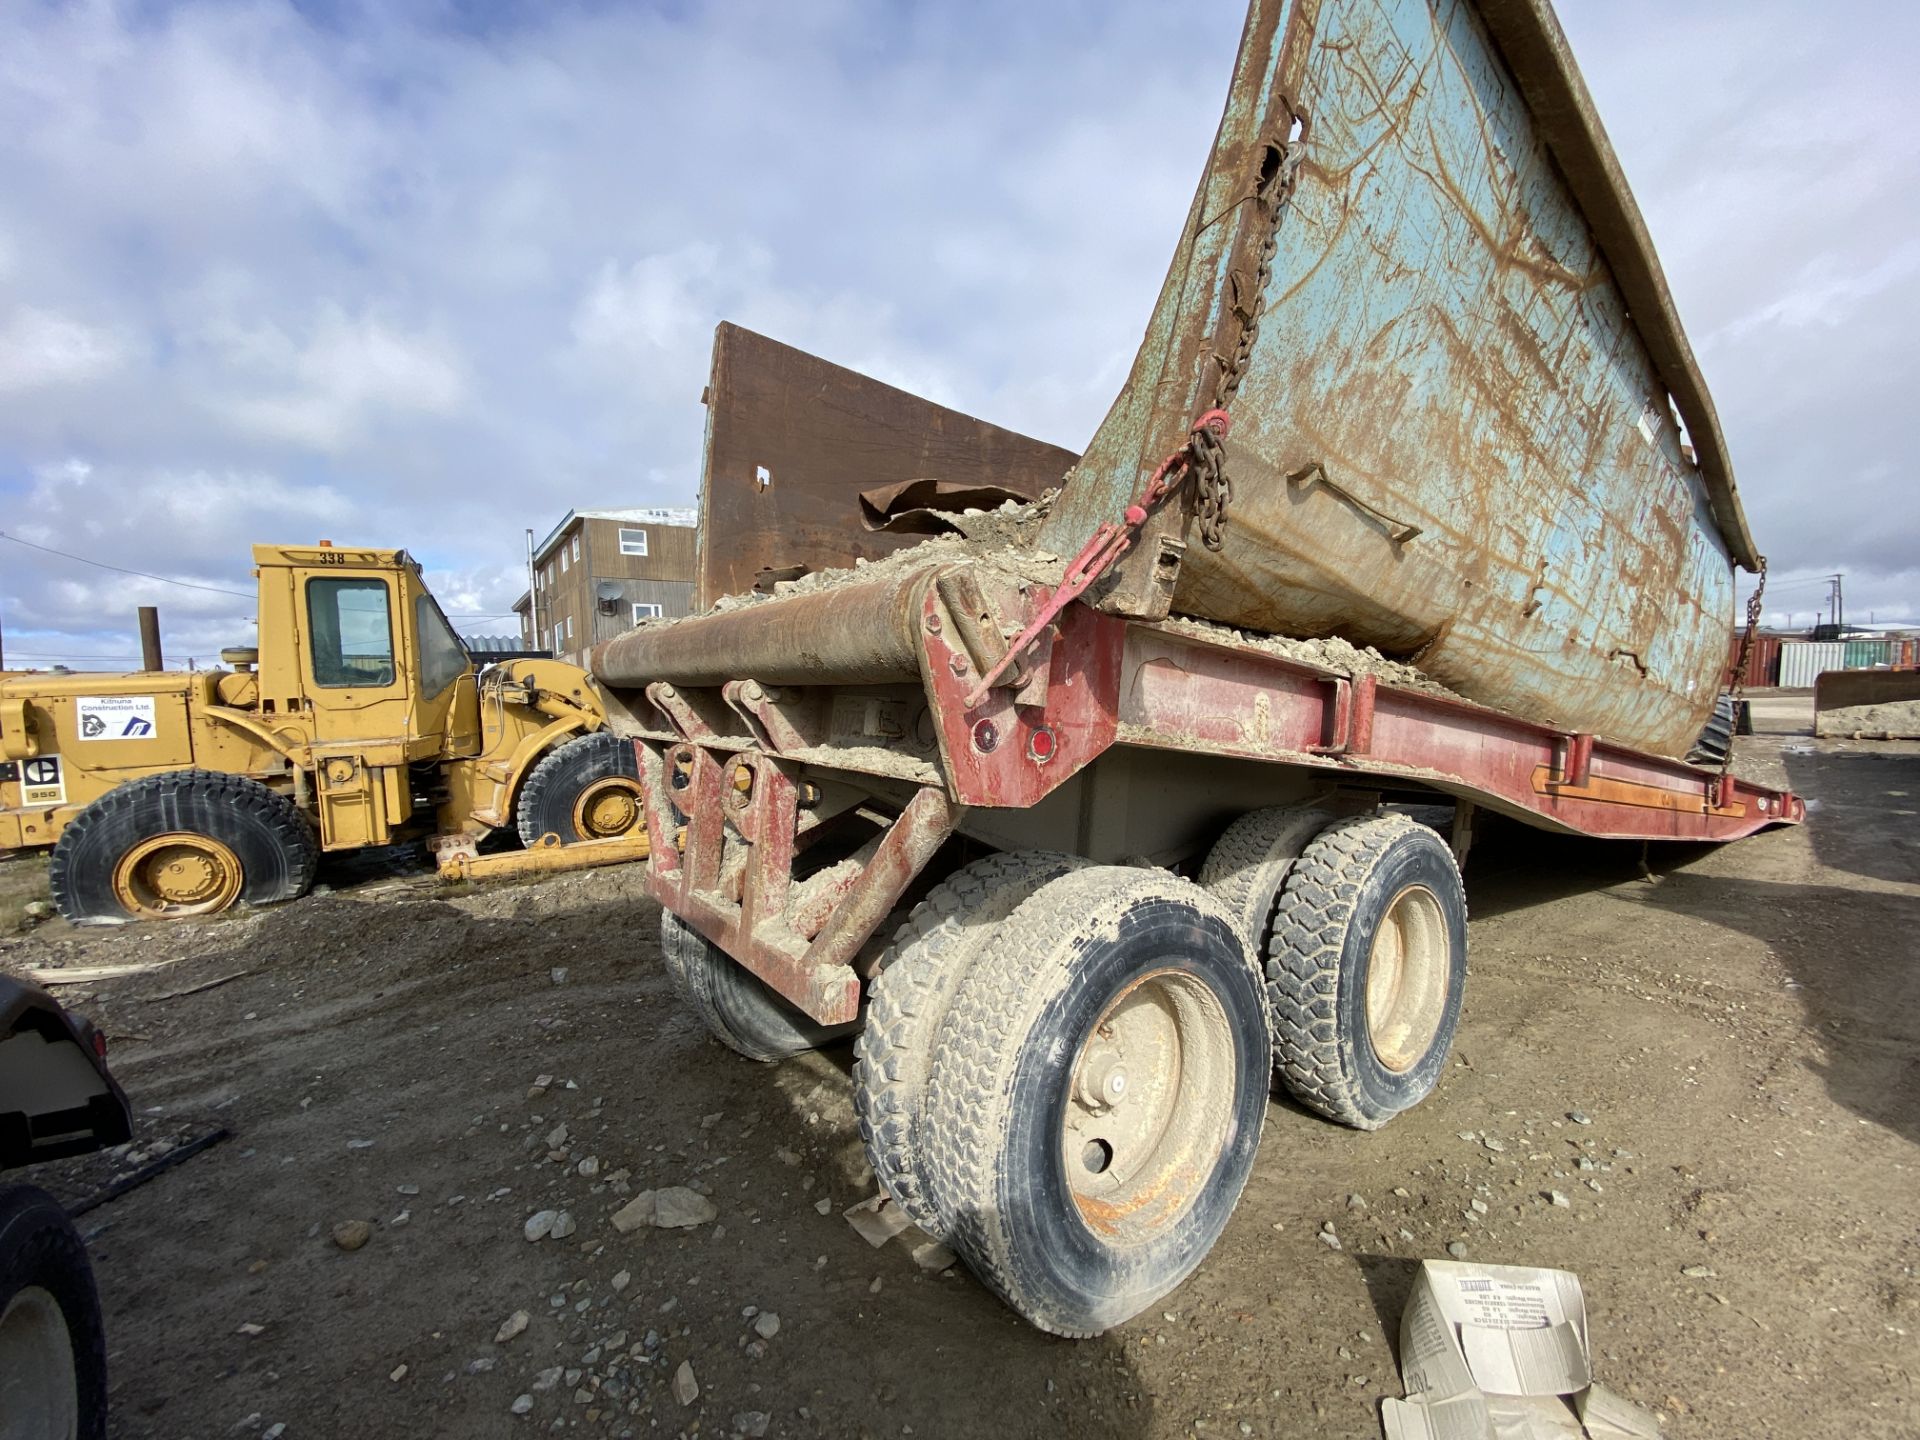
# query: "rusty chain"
1740, 664
1206, 449
1267, 199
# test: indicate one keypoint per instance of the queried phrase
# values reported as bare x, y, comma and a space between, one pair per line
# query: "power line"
121, 569
62, 655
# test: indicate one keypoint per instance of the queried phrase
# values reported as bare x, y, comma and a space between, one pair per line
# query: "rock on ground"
352, 1234
674, 1208
686, 1389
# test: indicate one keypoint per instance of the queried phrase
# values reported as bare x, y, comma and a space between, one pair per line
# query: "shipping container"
1802, 661
1763, 662
1866, 654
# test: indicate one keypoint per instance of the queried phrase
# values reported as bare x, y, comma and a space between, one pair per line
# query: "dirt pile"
1328, 653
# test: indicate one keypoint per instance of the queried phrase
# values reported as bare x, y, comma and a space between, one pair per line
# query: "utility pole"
533, 595
150, 658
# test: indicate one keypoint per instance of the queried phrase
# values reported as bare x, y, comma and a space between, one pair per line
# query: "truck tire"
1249, 863
1716, 736
53, 1348
1097, 1096
739, 1009
908, 1002
585, 789
189, 842
1366, 968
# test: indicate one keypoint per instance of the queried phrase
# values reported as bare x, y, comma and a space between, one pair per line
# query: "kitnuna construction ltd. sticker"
116, 717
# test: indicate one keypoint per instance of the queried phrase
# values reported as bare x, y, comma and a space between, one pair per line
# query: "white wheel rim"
39, 1395
1408, 974
1149, 1106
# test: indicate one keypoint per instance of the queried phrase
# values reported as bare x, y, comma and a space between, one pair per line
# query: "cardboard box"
1500, 1352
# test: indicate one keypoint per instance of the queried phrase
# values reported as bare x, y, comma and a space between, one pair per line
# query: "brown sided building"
600, 571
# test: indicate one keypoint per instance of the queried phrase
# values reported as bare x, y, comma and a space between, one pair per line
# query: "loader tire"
737, 1007
930, 955
53, 1350
1250, 862
1097, 1096
585, 789
1366, 967
188, 842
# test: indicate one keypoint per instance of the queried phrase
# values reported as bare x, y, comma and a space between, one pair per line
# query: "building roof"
677, 515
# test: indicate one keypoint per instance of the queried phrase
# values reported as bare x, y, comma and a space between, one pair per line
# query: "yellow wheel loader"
359, 720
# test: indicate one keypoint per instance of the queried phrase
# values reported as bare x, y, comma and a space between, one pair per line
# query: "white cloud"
659, 302
1828, 293
40, 348
326, 392
378, 275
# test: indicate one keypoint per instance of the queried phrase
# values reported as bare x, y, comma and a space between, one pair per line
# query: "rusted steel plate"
910, 842
1003, 753
1447, 344
754, 921
792, 441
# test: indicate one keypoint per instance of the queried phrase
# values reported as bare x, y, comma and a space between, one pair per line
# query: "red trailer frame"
739, 751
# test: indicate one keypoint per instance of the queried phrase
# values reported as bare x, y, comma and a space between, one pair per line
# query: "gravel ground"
1717, 1070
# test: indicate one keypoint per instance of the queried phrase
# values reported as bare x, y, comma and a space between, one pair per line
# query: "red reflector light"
1041, 745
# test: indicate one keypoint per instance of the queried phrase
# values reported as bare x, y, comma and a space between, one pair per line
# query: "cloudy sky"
431, 273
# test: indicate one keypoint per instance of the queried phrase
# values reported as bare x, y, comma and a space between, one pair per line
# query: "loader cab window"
443, 659
351, 633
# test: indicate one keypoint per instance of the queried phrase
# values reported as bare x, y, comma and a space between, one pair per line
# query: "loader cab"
355, 651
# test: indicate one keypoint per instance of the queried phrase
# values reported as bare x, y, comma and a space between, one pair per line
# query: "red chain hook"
1108, 543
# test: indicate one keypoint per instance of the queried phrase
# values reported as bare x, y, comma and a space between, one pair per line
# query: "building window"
633, 542
563, 560
559, 639
642, 611
576, 549
569, 627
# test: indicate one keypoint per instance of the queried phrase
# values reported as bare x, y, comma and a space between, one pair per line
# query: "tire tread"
909, 999
1303, 963
969, 1095
226, 796
729, 1000
569, 764
1248, 865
